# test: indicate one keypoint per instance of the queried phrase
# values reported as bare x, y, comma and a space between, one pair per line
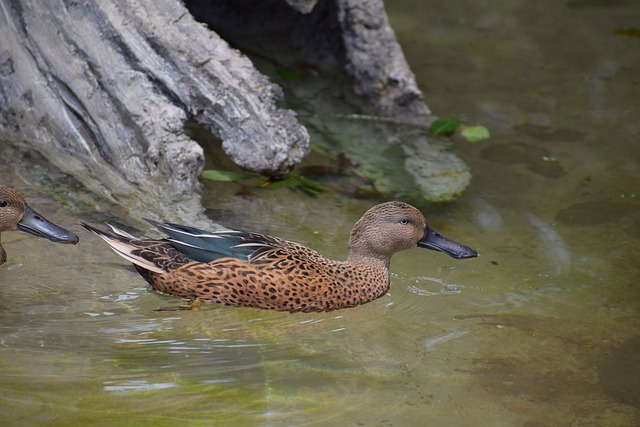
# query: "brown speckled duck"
237, 268
16, 214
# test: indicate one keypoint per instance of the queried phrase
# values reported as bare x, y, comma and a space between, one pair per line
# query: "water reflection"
554, 245
486, 215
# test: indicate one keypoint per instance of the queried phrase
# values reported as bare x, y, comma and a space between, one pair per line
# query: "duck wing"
207, 246
155, 255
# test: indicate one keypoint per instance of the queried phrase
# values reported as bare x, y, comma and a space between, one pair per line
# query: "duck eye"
404, 221
3, 203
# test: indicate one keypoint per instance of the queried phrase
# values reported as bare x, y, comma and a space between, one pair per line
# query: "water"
541, 329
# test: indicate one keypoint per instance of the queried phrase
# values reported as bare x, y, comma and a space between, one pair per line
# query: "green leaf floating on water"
445, 126
475, 133
296, 182
291, 180
228, 176
448, 126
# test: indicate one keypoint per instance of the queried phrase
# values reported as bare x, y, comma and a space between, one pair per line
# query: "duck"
246, 269
16, 214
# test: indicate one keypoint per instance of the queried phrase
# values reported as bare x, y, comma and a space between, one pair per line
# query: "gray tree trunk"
102, 89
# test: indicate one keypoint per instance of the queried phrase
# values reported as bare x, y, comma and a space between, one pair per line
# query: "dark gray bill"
34, 223
437, 242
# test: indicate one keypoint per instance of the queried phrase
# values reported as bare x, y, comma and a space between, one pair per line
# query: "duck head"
391, 227
16, 214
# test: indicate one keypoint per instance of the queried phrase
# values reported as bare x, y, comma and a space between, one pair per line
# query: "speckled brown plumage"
16, 214
236, 268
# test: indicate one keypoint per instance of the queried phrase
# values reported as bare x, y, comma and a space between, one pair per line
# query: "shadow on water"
620, 373
541, 329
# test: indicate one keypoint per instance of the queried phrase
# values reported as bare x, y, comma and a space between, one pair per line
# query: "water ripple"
441, 287
431, 343
137, 385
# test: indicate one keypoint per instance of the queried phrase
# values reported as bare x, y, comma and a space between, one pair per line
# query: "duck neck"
369, 260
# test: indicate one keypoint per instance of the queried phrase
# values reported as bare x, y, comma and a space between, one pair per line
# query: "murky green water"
542, 329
